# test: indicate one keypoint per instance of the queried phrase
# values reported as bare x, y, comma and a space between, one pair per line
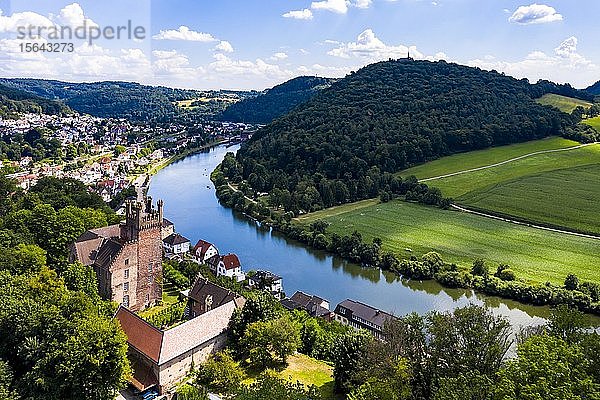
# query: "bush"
507, 275
479, 268
220, 373
571, 282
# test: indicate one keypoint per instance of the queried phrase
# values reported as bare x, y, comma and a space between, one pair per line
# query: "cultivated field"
593, 122
560, 188
479, 158
534, 254
563, 103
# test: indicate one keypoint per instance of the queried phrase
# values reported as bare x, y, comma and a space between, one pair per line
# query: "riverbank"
377, 254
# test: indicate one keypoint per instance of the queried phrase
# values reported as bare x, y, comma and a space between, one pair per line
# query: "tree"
270, 387
571, 282
470, 385
6, 381
546, 367
59, 344
220, 373
479, 268
349, 348
189, 392
265, 339
23, 259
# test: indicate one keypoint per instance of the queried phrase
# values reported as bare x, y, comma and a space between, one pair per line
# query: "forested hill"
17, 101
108, 99
392, 115
594, 89
275, 102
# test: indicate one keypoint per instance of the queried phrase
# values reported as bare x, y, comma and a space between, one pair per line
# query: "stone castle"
127, 257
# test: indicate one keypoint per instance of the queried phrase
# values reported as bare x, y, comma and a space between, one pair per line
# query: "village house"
204, 251
229, 266
267, 281
362, 316
205, 296
162, 358
176, 244
168, 228
126, 257
313, 305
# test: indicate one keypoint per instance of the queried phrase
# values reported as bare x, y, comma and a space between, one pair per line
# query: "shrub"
220, 373
479, 268
571, 282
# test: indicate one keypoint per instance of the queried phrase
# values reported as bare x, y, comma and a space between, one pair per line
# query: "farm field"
593, 122
480, 158
566, 197
563, 103
535, 255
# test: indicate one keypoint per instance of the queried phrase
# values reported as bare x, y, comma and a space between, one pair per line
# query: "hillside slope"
14, 100
594, 89
107, 99
387, 117
276, 101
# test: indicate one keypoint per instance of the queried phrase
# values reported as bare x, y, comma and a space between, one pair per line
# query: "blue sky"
236, 44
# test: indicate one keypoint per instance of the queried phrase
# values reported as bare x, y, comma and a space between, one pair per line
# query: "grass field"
480, 158
566, 197
535, 255
593, 122
307, 371
564, 104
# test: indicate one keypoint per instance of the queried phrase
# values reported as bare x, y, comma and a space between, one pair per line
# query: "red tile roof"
231, 261
203, 246
140, 334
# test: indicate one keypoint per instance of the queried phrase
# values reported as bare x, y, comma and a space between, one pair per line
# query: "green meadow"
593, 122
406, 229
563, 103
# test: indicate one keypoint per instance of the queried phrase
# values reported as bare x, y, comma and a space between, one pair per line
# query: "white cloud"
184, 33
279, 56
370, 48
10, 24
224, 46
299, 14
336, 6
73, 16
535, 14
565, 64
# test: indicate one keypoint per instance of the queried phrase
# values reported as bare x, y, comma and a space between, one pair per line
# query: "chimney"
148, 205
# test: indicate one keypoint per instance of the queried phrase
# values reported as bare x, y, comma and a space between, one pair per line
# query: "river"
191, 204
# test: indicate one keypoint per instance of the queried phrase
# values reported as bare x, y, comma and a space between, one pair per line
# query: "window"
126, 287
127, 261
147, 298
126, 301
150, 279
126, 274
150, 267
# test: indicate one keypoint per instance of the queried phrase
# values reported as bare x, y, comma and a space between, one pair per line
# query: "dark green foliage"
220, 373
318, 336
271, 387
386, 117
121, 196
594, 89
189, 392
348, 350
479, 268
571, 282
59, 344
60, 193
268, 343
17, 101
276, 101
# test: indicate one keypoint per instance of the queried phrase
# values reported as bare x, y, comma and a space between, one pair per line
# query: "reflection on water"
191, 204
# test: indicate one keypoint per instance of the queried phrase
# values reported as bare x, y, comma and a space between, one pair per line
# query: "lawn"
593, 122
563, 103
566, 197
535, 255
306, 370
480, 158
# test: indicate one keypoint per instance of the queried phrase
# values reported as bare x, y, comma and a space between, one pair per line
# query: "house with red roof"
204, 251
230, 266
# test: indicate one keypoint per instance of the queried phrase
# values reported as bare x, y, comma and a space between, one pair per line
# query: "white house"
204, 251
268, 281
176, 244
230, 266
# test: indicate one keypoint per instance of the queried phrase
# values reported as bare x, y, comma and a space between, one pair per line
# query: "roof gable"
231, 261
140, 334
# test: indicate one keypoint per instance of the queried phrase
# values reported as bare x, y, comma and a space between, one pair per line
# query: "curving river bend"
191, 204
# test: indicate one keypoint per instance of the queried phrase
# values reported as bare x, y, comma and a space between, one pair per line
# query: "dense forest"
594, 89
276, 101
117, 99
387, 117
17, 101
